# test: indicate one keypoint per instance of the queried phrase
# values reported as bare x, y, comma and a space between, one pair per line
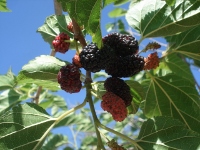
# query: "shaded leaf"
53, 141
87, 13
54, 25
156, 18
7, 81
88, 140
120, 2
186, 43
42, 71
117, 12
178, 66
173, 96
107, 2
55, 102
137, 92
68, 148
166, 133
28, 122
8, 99
3, 6
77, 119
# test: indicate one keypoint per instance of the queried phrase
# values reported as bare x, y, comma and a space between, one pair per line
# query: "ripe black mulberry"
69, 78
120, 88
125, 66
123, 44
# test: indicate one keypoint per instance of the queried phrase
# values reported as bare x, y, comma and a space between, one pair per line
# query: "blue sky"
20, 43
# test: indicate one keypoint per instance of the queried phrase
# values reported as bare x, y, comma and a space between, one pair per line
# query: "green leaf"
53, 141
3, 6
178, 66
110, 27
99, 89
156, 18
23, 127
55, 102
166, 133
186, 43
137, 92
7, 81
8, 99
88, 140
87, 13
173, 96
117, 12
100, 74
42, 71
78, 119
120, 2
54, 25
170, 2
121, 25
107, 2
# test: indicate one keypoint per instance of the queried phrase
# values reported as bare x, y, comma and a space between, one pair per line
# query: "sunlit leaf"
3, 6
42, 71
7, 81
54, 25
170, 2
173, 96
110, 27
99, 89
100, 74
164, 133
117, 12
87, 13
28, 122
156, 18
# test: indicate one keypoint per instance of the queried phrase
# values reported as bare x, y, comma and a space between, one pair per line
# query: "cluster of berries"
117, 57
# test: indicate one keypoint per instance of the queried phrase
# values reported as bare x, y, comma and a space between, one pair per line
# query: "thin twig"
37, 95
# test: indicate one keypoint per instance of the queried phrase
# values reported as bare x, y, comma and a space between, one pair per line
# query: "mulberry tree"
145, 90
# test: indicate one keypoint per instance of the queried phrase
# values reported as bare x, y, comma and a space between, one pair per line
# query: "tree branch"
57, 8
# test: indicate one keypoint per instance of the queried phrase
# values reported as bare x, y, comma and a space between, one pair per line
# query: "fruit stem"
94, 116
77, 51
71, 110
140, 41
118, 134
69, 41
